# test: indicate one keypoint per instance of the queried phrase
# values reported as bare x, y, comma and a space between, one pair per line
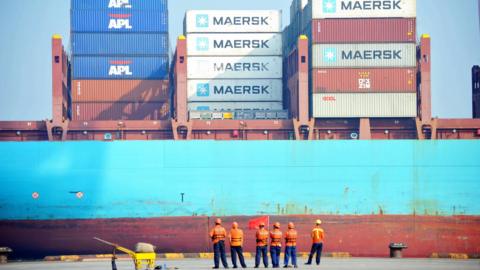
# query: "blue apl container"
131, 44
139, 68
129, 21
120, 4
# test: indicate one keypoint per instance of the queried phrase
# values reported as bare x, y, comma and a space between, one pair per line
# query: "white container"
233, 21
249, 67
381, 105
234, 44
231, 106
322, 9
364, 55
235, 90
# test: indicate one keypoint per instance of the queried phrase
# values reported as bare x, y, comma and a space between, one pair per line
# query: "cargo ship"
151, 158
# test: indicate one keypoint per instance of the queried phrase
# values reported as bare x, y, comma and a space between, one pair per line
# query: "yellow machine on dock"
142, 255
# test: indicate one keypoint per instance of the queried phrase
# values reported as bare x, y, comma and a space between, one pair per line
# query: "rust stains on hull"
358, 235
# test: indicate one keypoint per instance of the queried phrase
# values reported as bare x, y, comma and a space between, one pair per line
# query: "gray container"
364, 55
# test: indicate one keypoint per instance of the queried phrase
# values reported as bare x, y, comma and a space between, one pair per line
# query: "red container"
363, 30
379, 80
119, 91
104, 111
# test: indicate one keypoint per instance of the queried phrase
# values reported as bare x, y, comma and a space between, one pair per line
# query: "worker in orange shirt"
262, 245
236, 243
318, 235
275, 245
291, 245
218, 235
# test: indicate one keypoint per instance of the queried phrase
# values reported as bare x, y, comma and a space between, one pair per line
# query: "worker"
218, 235
275, 244
236, 243
262, 243
291, 245
318, 235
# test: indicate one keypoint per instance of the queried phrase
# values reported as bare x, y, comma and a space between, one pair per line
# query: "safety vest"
262, 237
276, 238
291, 238
218, 234
317, 235
236, 237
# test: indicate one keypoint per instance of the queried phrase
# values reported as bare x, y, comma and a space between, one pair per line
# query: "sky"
26, 28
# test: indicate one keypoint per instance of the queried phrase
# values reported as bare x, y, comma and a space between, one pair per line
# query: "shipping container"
364, 55
99, 67
231, 106
120, 91
132, 21
379, 105
248, 67
379, 80
325, 9
362, 30
110, 111
261, 44
115, 44
233, 21
235, 90
120, 4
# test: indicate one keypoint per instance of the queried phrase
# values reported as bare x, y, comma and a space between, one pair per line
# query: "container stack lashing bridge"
143, 253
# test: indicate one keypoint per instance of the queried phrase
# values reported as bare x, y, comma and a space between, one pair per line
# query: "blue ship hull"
47, 185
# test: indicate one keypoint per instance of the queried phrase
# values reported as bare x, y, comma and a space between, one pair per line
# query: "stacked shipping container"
363, 56
120, 60
234, 60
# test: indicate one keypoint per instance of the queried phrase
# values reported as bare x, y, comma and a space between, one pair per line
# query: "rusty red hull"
359, 235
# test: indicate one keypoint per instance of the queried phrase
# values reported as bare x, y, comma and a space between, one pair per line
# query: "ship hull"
366, 236
56, 197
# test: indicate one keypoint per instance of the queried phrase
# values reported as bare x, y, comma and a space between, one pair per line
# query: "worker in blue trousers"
291, 245
275, 245
218, 235
262, 246
318, 236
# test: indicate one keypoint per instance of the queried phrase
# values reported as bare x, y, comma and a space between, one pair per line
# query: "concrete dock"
327, 264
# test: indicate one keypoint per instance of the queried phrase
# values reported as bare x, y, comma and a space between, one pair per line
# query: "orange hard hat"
318, 222
291, 225
276, 225
262, 224
218, 221
234, 225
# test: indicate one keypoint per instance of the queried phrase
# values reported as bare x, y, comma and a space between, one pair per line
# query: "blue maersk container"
108, 21
108, 44
134, 68
120, 4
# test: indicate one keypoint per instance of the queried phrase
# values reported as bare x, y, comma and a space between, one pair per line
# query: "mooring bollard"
396, 249
4, 254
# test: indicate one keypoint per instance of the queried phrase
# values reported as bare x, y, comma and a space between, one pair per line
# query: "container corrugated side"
380, 105
120, 91
401, 80
364, 55
322, 9
235, 90
110, 111
248, 67
120, 4
233, 21
261, 44
362, 30
106, 44
98, 67
132, 21
231, 106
